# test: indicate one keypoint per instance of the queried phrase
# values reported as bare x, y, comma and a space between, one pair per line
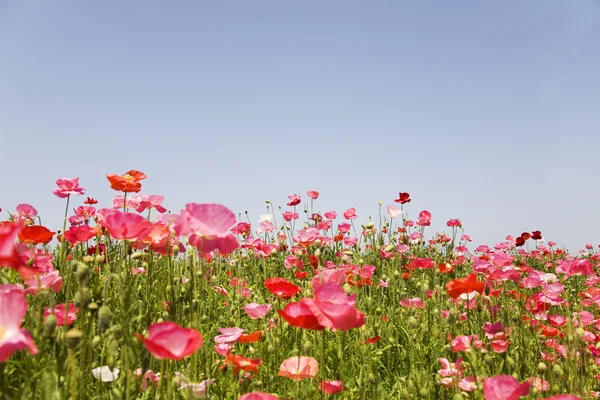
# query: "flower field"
130, 300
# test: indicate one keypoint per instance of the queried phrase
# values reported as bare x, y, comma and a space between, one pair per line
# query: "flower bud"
104, 318
83, 272
50, 324
73, 338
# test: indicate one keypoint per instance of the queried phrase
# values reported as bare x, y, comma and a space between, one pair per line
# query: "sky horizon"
486, 112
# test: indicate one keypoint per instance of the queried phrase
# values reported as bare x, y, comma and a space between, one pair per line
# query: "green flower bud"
73, 338
50, 324
104, 318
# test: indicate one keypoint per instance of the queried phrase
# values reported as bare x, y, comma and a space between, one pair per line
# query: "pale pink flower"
256, 311
68, 186
51, 280
229, 335
299, 368
394, 211
25, 212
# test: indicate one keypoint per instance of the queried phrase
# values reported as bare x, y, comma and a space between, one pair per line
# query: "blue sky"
484, 111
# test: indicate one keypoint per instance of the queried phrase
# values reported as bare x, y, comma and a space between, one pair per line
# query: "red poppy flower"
282, 288
300, 316
519, 241
457, 287
251, 337
129, 182
90, 200
536, 235
403, 198
372, 340
526, 235
36, 234
240, 362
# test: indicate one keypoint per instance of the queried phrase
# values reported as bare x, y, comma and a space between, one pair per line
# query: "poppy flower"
300, 316
126, 226
470, 284
79, 234
536, 235
504, 387
519, 241
128, 182
209, 227
240, 362
14, 307
526, 235
253, 337
313, 194
331, 387
36, 234
258, 396
9, 254
256, 311
68, 186
90, 201
403, 198
169, 340
294, 200
25, 212
334, 309
350, 213
299, 368
282, 288
65, 315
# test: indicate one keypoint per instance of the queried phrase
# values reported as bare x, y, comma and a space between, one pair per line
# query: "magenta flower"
25, 212
504, 387
68, 186
209, 227
14, 307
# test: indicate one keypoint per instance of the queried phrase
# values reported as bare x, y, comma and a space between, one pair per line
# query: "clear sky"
484, 111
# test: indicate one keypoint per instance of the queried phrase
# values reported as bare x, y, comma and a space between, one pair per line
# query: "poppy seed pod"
73, 337
104, 318
50, 324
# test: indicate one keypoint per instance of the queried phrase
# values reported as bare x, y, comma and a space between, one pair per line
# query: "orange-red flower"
129, 182
240, 362
457, 287
36, 234
251, 337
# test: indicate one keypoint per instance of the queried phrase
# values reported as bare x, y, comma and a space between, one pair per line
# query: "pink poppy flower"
229, 335
9, 256
504, 387
64, 315
334, 309
412, 303
299, 368
169, 340
350, 213
14, 307
313, 194
51, 280
499, 346
79, 234
197, 390
331, 387
25, 213
394, 211
256, 311
149, 201
125, 226
68, 186
289, 215
467, 384
563, 397
294, 200
453, 223
223, 349
344, 227
330, 215
300, 316
258, 396
209, 227
307, 236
